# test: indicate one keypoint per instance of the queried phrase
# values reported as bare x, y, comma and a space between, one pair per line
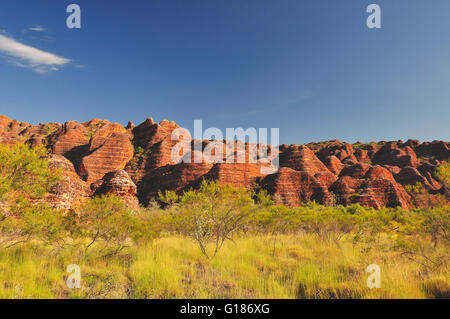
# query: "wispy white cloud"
27, 56
37, 28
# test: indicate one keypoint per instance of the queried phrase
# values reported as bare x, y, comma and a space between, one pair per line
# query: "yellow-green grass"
301, 266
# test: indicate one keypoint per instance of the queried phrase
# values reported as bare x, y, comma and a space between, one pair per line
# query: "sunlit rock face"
110, 149
71, 189
98, 157
117, 183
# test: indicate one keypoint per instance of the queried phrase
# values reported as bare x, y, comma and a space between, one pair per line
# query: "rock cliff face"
293, 187
118, 183
135, 162
71, 190
110, 149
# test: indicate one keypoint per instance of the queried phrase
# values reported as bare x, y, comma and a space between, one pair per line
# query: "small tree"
107, 221
25, 221
423, 236
25, 177
24, 171
443, 173
437, 225
327, 223
212, 214
279, 220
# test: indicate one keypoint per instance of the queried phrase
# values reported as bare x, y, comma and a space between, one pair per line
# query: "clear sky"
311, 68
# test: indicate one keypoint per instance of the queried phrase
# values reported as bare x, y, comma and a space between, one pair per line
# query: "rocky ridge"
134, 162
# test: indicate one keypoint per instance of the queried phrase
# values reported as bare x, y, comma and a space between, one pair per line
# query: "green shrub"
212, 214
25, 222
139, 158
108, 222
24, 171
49, 129
443, 173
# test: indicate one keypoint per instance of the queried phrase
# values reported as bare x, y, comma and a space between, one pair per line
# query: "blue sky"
311, 68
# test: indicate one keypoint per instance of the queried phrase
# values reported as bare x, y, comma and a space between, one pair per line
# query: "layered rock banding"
70, 190
110, 149
118, 183
135, 162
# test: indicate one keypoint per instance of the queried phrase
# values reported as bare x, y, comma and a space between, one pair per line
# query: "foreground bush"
443, 173
24, 171
108, 222
211, 214
25, 178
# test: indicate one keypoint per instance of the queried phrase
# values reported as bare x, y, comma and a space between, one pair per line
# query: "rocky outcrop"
98, 157
439, 150
293, 188
411, 176
378, 172
236, 174
345, 190
377, 189
357, 171
396, 154
393, 169
379, 193
171, 177
70, 190
4, 121
12, 131
155, 142
301, 158
110, 149
325, 178
117, 183
333, 164
70, 136
149, 133
343, 151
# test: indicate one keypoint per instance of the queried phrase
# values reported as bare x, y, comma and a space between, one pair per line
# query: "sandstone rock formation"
439, 150
301, 158
343, 151
333, 164
4, 121
71, 190
156, 143
411, 176
293, 187
70, 136
171, 177
98, 157
118, 183
110, 149
397, 154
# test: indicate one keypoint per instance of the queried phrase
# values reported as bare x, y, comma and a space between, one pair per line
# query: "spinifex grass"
301, 266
